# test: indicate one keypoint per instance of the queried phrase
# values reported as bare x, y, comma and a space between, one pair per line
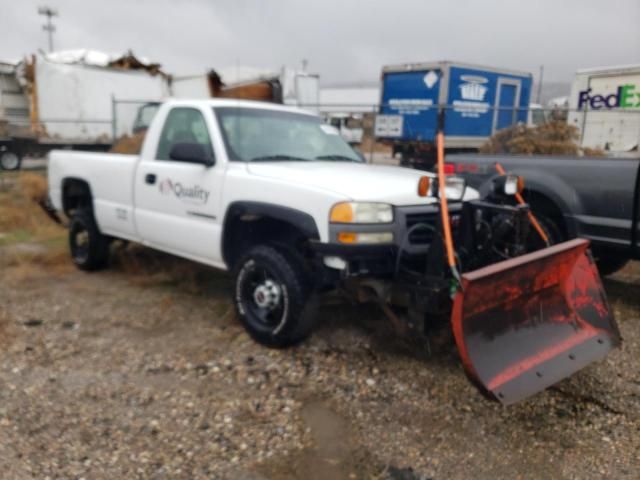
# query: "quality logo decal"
190, 194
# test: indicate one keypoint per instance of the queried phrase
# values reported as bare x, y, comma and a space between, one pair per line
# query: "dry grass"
19, 209
551, 138
146, 267
29, 239
129, 144
366, 146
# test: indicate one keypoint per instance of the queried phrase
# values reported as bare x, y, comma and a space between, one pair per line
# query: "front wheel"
272, 297
89, 248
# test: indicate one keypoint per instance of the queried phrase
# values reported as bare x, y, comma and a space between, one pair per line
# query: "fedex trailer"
605, 107
478, 101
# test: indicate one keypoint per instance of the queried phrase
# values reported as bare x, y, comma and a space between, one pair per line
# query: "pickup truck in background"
277, 197
588, 197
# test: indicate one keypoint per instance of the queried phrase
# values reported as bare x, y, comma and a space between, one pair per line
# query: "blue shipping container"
479, 101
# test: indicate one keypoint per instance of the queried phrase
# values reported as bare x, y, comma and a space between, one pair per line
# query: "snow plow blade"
523, 324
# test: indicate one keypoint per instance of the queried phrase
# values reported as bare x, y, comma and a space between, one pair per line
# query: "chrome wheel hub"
267, 295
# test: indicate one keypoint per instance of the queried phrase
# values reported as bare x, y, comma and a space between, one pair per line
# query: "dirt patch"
122, 378
332, 453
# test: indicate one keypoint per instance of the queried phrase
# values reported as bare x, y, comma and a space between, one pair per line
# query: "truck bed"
111, 176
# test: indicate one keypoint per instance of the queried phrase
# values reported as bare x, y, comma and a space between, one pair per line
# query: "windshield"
253, 134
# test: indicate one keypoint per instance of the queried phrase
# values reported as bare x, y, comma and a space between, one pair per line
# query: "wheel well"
76, 194
243, 231
543, 205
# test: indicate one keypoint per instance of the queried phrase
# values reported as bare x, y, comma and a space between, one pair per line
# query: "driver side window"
183, 125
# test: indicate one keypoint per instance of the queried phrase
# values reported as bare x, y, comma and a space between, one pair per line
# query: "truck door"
506, 105
177, 202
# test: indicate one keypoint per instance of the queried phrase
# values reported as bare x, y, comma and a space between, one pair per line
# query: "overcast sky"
343, 40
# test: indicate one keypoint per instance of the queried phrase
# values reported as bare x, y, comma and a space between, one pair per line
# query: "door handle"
150, 178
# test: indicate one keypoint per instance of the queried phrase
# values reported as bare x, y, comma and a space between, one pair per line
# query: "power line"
49, 27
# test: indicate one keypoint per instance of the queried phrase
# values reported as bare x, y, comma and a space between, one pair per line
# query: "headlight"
361, 212
513, 184
508, 184
454, 188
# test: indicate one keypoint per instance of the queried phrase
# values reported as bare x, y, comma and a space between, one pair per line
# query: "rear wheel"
89, 248
9, 160
272, 297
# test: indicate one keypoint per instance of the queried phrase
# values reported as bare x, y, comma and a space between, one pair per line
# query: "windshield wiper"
337, 158
284, 158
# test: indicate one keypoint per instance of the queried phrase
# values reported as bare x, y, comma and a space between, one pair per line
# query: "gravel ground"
123, 375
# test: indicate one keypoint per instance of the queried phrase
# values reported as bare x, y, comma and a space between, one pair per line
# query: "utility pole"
540, 83
49, 27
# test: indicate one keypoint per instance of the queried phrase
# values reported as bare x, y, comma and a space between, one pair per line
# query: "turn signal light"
368, 238
423, 186
347, 237
342, 213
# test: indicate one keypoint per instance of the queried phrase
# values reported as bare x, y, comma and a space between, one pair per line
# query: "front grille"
424, 235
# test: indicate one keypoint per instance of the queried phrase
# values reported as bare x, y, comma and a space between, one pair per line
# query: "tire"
89, 248
551, 230
9, 160
272, 295
609, 264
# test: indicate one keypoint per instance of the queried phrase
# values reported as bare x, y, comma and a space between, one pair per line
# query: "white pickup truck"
281, 200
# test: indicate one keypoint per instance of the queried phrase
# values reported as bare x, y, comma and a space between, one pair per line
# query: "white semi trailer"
605, 107
65, 100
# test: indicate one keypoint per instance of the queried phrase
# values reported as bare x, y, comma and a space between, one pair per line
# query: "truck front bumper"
413, 230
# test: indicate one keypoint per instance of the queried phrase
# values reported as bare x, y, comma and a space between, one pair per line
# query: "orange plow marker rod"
444, 206
532, 218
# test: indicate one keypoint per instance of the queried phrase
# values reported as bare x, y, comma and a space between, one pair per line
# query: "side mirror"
191, 152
